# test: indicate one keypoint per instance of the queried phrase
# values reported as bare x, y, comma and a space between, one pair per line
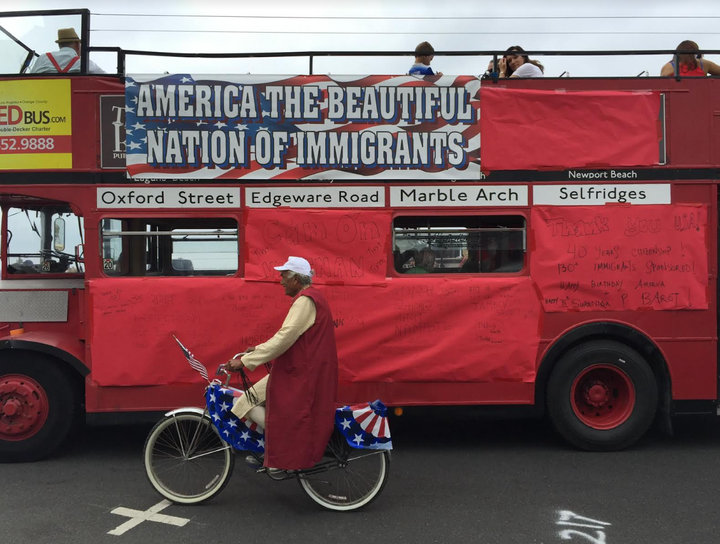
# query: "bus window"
466, 244
169, 247
43, 241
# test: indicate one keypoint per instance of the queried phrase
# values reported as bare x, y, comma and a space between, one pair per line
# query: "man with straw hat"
67, 59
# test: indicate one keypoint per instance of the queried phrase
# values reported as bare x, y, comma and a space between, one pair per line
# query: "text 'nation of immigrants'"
179, 124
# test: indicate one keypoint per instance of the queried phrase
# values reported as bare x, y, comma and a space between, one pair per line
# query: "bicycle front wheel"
353, 484
185, 459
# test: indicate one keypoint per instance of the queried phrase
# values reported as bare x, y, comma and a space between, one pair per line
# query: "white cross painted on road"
151, 514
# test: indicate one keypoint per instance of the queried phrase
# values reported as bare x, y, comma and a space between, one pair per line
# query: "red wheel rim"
24, 407
602, 396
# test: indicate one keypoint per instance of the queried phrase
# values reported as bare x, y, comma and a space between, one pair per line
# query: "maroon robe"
301, 394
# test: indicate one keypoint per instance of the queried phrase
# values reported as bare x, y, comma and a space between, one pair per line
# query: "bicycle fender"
188, 410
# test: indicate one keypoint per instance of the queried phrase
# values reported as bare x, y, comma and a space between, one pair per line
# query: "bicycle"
189, 455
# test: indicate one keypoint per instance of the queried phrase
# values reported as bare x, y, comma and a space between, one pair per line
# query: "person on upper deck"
515, 64
67, 59
424, 54
690, 65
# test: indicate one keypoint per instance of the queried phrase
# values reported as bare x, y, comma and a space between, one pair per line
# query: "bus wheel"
38, 404
602, 396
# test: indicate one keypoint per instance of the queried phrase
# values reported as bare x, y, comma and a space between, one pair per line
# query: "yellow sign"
35, 124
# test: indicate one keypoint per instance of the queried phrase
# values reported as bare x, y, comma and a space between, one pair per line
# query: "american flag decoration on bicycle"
197, 365
365, 426
241, 434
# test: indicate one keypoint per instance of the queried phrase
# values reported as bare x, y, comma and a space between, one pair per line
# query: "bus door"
42, 265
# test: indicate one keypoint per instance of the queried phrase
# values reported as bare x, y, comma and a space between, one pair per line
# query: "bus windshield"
22, 39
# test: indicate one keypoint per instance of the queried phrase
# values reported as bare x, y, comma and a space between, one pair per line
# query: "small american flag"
197, 365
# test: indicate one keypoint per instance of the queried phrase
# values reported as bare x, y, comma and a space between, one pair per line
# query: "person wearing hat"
424, 54
300, 393
67, 59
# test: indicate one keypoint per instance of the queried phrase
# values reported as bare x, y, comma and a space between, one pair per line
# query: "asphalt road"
455, 478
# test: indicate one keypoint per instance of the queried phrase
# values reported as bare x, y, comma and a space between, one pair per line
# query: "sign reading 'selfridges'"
589, 195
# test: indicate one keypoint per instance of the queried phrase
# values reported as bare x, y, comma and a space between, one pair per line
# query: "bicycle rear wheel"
356, 480
185, 459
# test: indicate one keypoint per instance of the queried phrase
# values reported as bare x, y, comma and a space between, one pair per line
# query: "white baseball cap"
297, 265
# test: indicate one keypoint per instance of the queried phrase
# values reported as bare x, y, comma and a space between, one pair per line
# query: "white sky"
613, 24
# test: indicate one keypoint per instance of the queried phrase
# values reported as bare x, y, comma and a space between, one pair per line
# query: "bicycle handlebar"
222, 369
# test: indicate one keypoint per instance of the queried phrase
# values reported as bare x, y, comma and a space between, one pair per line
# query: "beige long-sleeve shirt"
299, 319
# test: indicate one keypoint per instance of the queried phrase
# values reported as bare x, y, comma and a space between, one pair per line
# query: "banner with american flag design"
284, 128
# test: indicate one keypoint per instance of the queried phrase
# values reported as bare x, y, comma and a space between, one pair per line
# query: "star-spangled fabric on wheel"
241, 434
365, 426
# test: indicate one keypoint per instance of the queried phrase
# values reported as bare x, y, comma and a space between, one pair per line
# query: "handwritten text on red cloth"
342, 246
589, 258
412, 330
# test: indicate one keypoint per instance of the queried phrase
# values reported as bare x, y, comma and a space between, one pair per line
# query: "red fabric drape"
301, 394
527, 129
343, 246
619, 258
415, 329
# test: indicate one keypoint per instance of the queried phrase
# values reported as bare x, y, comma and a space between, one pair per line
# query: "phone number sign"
35, 125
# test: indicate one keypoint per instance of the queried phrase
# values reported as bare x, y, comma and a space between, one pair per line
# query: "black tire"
46, 377
606, 372
178, 478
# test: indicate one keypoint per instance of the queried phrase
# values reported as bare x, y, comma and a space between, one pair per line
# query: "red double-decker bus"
571, 273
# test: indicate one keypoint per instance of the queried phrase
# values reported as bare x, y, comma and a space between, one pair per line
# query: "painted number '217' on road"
584, 529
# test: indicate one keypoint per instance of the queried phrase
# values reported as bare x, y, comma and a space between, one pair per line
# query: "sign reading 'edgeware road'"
315, 197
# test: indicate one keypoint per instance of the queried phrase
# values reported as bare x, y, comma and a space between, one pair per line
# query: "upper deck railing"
24, 46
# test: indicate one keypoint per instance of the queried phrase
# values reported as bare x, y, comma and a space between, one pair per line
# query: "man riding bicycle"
296, 401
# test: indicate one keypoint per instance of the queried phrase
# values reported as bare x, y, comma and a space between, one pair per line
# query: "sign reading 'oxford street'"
303, 127
168, 197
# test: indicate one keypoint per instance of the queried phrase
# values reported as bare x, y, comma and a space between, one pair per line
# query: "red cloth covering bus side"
527, 129
344, 247
619, 258
420, 328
